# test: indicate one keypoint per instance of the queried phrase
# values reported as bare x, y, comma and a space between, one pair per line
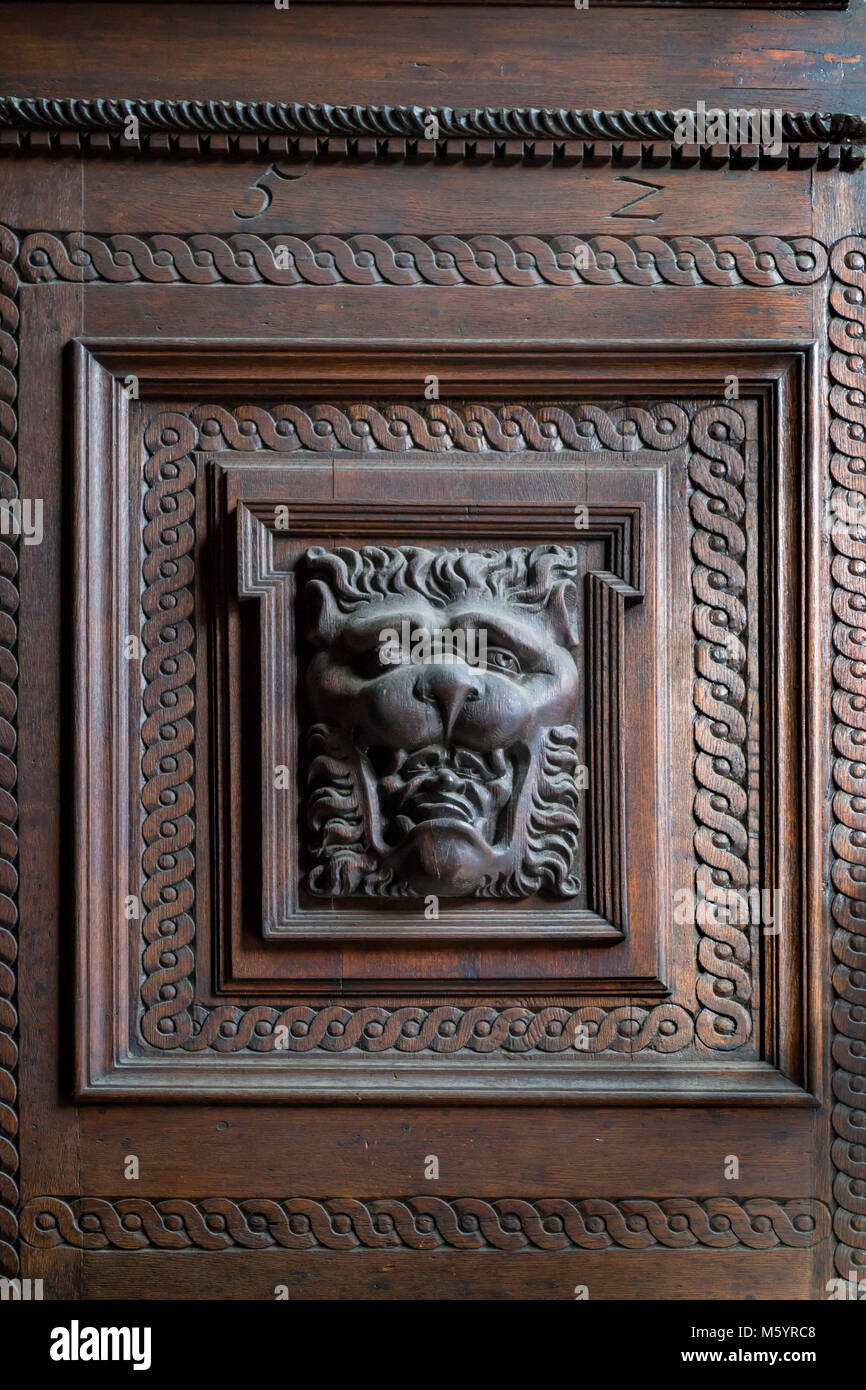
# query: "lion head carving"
443, 757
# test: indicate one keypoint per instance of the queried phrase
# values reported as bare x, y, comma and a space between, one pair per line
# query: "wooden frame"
261, 576
115, 1064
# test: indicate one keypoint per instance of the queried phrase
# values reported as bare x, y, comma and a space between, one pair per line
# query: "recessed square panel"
343, 845
588, 587
407, 681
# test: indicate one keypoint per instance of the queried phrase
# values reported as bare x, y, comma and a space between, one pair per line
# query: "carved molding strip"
717, 504
316, 130
322, 119
8, 763
424, 1223
439, 429
168, 673
445, 1028
848, 841
245, 259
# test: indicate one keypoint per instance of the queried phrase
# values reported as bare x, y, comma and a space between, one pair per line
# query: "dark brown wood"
551, 341
374, 955
534, 4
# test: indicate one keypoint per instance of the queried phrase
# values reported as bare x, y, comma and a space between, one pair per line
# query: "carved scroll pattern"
724, 985
8, 764
245, 259
848, 843
424, 1223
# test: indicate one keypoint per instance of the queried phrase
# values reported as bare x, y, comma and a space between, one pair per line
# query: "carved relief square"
433, 692
444, 758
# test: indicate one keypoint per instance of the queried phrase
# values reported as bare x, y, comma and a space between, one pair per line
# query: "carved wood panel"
719, 1011
340, 813
718, 1001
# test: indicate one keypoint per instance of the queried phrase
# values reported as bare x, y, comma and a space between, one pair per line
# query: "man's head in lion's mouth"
444, 808
448, 759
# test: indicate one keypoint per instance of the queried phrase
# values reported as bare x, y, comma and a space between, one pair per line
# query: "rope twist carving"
8, 765
367, 259
848, 838
717, 470
167, 732
423, 1223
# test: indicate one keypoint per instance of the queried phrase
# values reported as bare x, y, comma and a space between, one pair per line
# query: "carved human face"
444, 706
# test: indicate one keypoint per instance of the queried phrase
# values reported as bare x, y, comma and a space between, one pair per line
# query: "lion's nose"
449, 689
446, 778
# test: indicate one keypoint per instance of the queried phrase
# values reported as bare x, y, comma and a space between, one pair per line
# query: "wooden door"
433, 655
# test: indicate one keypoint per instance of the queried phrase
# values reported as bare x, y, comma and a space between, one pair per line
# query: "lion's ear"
325, 617
562, 610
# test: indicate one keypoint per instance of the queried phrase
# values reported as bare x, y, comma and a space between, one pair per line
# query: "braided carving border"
245, 259
8, 763
717, 504
319, 130
847, 327
171, 1018
423, 1223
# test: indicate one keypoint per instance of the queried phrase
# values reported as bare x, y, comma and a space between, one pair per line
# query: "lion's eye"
498, 659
